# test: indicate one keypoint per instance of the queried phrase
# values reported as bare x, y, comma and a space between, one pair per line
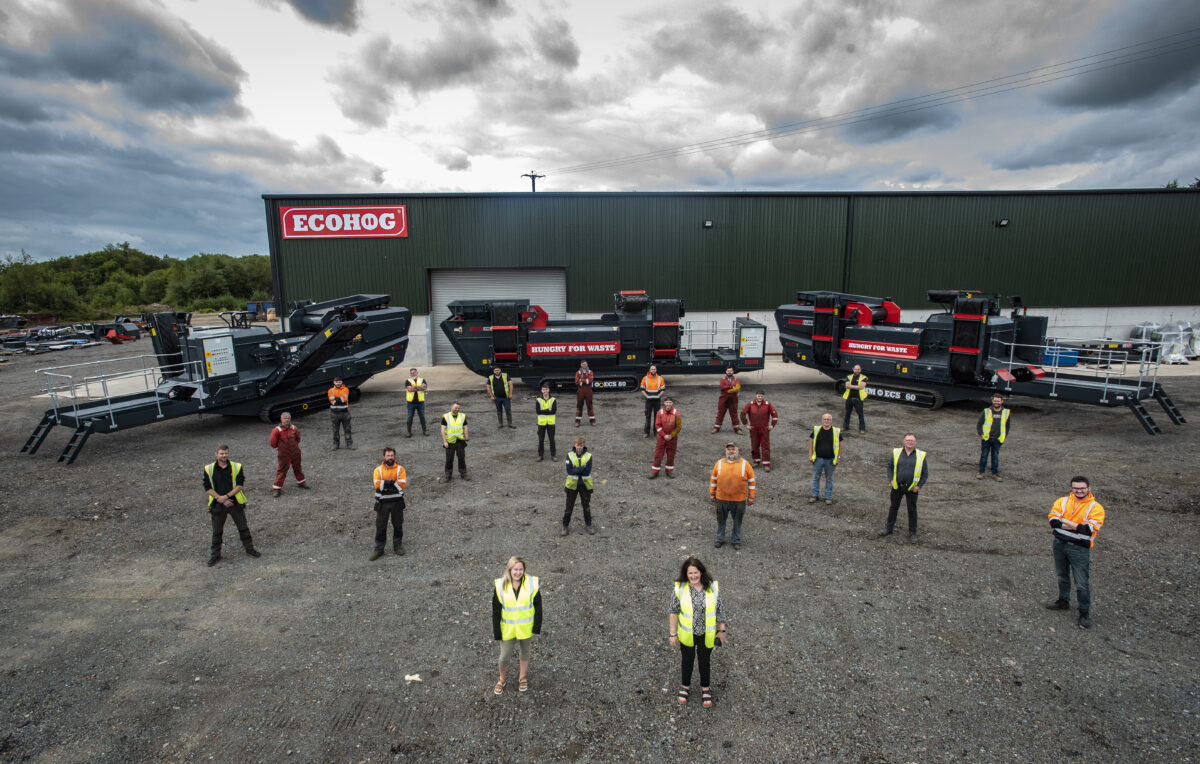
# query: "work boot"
449, 476
1085, 622
979, 476
912, 537
812, 499
499, 421
718, 544
350, 445
398, 549
997, 478
253, 552
670, 474
885, 532
275, 493
335, 446
424, 430
409, 429
376, 555
591, 529
302, 486
463, 474
652, 476
577, 422
1058, 605
214, 558
511, 426
541, 458
564, 531
553, 455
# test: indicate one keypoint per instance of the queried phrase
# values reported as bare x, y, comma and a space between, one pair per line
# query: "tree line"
121, 279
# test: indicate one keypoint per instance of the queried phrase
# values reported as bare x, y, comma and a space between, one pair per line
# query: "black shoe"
652, 476
912, 537
214, 560
671, 475
591, 531
564, 531
736, 545
424, 431
645, 434
275, 494
1085, 622
335, 446
512, 426
350, 446
553, 455
398, 550
1058, 605
302, 486
464, 476
886, 532
541, 458
409, 433
718, 544
376, 555
253, 552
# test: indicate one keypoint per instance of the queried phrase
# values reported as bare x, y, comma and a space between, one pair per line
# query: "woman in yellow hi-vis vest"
697, 624
516, 617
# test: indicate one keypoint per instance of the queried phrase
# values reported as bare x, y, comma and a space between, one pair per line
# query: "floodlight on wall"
1002, 223
708, 224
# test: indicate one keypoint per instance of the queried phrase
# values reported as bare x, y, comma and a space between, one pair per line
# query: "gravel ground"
117, 643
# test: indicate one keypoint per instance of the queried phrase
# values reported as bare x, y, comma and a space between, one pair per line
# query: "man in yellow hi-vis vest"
908, 470
546, 409
993, 428
854, 394
414, 395
223, 481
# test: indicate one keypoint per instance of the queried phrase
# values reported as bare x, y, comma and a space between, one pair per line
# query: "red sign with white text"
882, 349
547, 349
343, 222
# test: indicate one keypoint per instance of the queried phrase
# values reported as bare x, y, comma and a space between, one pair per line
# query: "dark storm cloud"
460, 55
16, 107
900, 122
1166, 67
341, 15
714, 44
555, 42
69, 193
155, 61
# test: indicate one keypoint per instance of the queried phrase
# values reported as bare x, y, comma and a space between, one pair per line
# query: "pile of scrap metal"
45, 339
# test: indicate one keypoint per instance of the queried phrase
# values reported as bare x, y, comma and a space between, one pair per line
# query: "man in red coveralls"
285, 439
667, 425
762, 418
728, 401
583, 393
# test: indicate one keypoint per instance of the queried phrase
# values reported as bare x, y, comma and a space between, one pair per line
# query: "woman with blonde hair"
696, 622
516, 617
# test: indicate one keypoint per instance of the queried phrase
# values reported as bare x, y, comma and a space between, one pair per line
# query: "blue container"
1060, 357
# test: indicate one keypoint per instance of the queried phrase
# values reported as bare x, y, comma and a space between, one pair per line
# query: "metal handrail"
63, 386
1106, 362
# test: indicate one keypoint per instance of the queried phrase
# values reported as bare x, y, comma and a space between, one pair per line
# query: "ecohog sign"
343, 222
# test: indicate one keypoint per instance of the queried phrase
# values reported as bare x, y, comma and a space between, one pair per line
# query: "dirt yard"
117, 643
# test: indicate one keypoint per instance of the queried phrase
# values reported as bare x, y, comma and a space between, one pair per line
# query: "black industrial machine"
618, 346
237, 369
968, 351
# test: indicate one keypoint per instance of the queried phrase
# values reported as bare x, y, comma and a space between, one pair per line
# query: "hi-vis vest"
653, 385
418, 395
516, 616
684, 623
235, 473
504, 379
916, 470
862, 394
339, 398
544, 405
578, 461
812, 447
987, 423
385, 474
454, 426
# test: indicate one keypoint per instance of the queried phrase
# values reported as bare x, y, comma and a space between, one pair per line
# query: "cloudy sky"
161, 122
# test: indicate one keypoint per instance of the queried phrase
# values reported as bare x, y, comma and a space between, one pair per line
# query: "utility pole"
532, 179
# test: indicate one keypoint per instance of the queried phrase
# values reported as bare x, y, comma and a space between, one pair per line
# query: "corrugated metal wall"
1059, 249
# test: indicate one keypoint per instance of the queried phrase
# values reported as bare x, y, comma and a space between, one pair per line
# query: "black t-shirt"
222, 479
824, 443
499, 386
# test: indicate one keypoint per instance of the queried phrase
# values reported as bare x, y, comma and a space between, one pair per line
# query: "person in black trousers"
908, 470
223, 481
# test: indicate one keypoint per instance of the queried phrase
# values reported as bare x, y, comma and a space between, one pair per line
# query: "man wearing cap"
339, 413
731, 487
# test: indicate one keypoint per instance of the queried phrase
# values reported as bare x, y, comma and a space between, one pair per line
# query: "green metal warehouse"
738, 251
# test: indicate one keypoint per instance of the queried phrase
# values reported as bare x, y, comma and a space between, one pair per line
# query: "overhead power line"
1122, 56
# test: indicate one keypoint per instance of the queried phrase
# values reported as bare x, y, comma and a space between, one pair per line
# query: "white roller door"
541, 286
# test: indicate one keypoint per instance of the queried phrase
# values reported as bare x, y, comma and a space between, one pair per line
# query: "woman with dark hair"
696, 621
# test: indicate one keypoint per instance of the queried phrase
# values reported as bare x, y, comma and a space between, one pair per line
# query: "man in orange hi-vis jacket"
732, 487
1075, 519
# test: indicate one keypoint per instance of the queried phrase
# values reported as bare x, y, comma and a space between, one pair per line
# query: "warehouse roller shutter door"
541, 286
